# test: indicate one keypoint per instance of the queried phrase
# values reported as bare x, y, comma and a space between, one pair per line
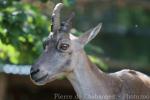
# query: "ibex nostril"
34, 71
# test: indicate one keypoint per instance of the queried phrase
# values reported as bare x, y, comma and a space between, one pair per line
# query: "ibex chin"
64, 55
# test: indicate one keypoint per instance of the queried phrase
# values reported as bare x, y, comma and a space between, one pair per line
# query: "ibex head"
57, 57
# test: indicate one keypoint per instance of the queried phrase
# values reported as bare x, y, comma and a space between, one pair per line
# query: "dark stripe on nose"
34, 71
42, 78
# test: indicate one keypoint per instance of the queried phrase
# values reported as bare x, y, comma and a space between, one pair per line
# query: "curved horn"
56, 16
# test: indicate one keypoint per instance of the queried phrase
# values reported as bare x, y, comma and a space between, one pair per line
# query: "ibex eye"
64, 46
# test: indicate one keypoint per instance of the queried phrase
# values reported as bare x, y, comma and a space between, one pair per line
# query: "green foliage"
98, 62
8, 51
69, 2
22, 27
130, 16
133, 44
44, 1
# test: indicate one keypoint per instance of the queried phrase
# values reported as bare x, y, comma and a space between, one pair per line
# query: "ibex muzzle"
59, 47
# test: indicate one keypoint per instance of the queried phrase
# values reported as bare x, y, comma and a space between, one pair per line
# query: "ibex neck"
87, 79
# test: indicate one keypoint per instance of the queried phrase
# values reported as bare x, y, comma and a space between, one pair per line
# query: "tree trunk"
2, 86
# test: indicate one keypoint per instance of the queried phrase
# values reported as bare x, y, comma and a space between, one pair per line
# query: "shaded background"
124, 41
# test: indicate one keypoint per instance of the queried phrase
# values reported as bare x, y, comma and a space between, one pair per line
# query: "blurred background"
124, 41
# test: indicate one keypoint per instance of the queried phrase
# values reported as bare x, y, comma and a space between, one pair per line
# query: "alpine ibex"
64, 55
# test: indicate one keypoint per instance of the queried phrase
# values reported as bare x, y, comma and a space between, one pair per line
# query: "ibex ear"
89, 35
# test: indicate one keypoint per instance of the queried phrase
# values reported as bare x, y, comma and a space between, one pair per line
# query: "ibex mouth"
38, 77
41, 78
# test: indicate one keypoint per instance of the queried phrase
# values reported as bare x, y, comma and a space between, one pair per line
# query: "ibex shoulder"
132, 79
